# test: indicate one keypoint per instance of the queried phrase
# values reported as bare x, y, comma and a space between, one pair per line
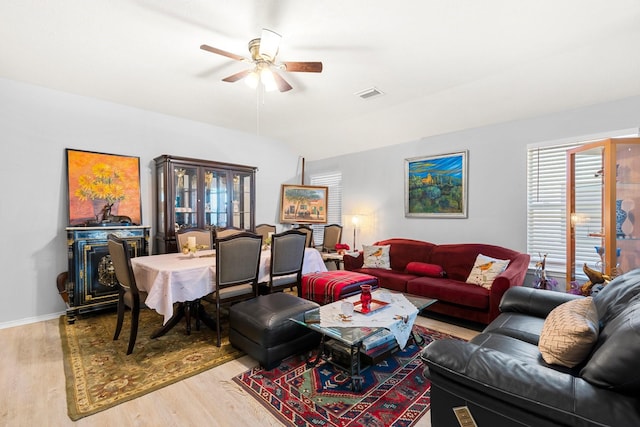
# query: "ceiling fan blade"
237, 76
222, 52
269, 44
282, 84
304, 67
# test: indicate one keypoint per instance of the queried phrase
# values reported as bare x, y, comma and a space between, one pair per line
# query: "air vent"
369, 93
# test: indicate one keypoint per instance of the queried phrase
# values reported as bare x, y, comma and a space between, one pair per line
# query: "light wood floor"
32, 386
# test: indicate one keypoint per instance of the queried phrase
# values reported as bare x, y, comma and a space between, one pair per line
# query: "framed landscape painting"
436, 186
303, 204
99, 180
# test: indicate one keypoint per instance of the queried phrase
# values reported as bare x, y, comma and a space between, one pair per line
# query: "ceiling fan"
263, 58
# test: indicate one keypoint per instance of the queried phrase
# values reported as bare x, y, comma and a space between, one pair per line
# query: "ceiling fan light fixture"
252, 79
267, 79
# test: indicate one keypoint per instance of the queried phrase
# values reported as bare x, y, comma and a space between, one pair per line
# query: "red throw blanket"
327, 287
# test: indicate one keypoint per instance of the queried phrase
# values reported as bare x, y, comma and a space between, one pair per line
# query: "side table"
333, 256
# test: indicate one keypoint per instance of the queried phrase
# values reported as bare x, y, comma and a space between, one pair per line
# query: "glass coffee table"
343, 346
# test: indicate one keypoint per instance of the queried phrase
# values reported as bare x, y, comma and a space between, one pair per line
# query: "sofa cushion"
458, 259
376, 256
451, 291
485, 270
425, 269
389, 279
611, 300
403, 251
517, 325
569, 333
613, 363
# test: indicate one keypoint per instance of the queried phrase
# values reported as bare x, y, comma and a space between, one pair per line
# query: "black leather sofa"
501, 377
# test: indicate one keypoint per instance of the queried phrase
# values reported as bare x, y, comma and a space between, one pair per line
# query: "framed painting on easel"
303, 204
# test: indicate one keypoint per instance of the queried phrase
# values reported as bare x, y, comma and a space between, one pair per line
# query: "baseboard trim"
29, 320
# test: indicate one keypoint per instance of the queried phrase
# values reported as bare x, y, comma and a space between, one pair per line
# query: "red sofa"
455, 297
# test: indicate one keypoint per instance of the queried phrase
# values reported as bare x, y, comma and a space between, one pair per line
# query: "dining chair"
228, 231
237, 266
264, 230
287, 256
128, 293
332, 236
309, 232
203, 237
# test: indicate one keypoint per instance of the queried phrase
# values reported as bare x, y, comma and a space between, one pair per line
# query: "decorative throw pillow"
376, 257
569, 332
425, 269
485, 270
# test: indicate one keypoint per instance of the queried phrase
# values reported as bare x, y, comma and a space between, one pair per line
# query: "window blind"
332, 180
546, 204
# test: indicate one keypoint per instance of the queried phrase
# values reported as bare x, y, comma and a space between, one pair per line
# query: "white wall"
373, 181
36, 125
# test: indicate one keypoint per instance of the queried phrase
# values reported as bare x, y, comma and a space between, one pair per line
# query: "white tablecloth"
171, 278
398, 316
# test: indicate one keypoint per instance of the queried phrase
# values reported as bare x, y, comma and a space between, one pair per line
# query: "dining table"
175, 282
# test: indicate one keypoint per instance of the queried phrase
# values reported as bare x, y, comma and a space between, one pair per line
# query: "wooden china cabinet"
603, 204
193, 193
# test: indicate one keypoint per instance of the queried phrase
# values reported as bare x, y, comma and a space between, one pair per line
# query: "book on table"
383, 336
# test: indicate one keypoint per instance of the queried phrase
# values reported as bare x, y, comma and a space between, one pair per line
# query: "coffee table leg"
356, 378
417, 338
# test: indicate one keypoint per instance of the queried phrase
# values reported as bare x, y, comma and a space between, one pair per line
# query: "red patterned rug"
394, 393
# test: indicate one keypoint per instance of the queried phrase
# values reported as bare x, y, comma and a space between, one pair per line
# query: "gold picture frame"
306, 204
97, 180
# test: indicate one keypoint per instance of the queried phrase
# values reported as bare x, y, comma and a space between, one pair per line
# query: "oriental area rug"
100, 375
395, 392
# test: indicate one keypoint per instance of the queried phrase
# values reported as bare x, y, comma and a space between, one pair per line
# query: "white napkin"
398, 316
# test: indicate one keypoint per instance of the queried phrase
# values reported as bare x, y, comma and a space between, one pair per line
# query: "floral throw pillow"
376, 257
485, 270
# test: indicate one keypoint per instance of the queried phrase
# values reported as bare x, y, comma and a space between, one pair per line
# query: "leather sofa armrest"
352, 263
479, 367
535, 302
485, 373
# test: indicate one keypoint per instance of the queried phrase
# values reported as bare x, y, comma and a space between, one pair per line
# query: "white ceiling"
442, 65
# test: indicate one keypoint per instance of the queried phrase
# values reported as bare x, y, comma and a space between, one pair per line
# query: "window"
333, 181
546, 204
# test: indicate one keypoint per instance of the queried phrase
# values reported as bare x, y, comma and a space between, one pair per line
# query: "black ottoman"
262, 329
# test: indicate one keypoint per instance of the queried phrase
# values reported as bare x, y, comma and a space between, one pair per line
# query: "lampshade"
269, 43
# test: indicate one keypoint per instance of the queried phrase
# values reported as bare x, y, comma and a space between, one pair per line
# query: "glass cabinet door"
587, 228
216, 200
242, 200
603, 192
627, 204
185, 182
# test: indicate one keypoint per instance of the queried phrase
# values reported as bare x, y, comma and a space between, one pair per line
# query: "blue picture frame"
436, 186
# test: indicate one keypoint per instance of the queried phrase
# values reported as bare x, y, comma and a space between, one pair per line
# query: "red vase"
365, 298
